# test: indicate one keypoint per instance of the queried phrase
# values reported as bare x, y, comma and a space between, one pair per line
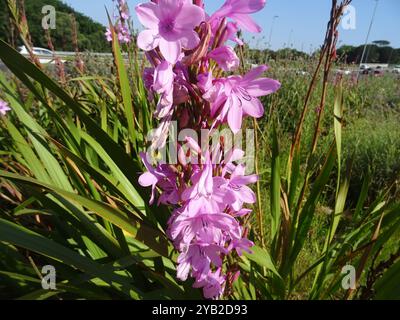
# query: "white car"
41, 53
396, 69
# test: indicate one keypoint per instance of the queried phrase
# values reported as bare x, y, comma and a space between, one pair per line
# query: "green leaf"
308, 210
338, 119
262, 258
124, 85
154, 239
22, 237
275, 186
387, 287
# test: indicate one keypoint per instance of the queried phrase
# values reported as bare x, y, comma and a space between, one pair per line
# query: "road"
65, 55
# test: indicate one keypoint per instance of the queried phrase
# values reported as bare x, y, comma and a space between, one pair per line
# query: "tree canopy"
379, 52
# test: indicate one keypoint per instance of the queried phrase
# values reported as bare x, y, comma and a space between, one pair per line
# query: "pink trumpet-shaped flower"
213, 285
239, 11
170, 26
163, 77
151, 177
4, 108
164, 85
202, 182
108, 35
225, 57
198, 257
238, 186
188, 226
242, 95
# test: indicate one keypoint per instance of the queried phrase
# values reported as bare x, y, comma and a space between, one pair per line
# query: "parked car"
396, 69
41, 52
378, 72
365, 70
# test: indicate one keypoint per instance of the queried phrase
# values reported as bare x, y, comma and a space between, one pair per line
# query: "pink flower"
230, 32
202, 182
124, 35
188, 227
4, 108
213, 286
170, 194
239, 11
198, 257
108, 35
164, 85
241, 245
123, 9
241, 97
225, 57
189, 152
205, 81
170, 25
122, 31
148, 78
163, 77
160, 135
237, 186
151, 177
163, 177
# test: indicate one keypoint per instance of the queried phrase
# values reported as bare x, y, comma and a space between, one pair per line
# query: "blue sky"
302, 22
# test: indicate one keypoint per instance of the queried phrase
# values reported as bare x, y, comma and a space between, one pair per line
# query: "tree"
376, 53
381, 43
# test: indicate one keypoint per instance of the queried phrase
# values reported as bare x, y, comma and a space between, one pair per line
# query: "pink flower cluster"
121, 27
4, 108
208, 188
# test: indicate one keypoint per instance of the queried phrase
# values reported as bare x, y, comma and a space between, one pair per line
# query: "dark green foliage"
374, 54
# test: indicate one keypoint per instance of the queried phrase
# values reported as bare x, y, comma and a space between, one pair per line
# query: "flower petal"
147, 179
253, 108
169, 8
235, 114
190, 40
183, 270
170, 50
246, 195
147, 14
243, 180
262, 87
148, 40
189, 17
163, 78
253, 74
246, 22
247, 6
